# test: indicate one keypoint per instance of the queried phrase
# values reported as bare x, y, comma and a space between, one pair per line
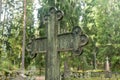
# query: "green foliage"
11, 36
100, 22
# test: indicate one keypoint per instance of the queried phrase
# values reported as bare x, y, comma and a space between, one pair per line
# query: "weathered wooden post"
52, 62
54, 43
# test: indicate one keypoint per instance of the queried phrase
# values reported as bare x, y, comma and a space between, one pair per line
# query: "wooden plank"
65, 43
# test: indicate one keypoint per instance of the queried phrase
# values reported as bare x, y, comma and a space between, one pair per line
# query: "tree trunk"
24, 37
0, 9
66, 70
94, 58
94, 61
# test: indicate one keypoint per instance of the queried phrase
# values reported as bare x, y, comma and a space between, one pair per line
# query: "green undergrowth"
96, 78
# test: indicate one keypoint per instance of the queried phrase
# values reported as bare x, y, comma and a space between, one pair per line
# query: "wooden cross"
54, 43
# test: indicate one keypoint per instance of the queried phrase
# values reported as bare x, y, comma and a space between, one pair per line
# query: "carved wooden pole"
52, 62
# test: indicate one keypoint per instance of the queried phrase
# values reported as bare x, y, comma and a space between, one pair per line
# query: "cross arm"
66, 42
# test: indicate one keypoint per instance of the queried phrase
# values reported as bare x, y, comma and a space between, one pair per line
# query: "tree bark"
94, 61
0, 9
24, 36
66, 70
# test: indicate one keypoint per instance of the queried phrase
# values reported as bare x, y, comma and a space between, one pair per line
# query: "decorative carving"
83, 40
73, 41
45, 19
59, 14
76, 30
52, 10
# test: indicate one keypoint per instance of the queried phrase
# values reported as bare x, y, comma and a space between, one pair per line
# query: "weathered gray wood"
66, 42
52, 72
39, 45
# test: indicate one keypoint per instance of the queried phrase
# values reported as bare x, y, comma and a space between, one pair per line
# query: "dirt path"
40, 78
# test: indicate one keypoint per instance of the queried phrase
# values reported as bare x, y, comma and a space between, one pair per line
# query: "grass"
101, 77
95, 75
95, 78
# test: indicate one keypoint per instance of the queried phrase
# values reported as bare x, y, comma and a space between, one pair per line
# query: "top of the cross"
59, 14
52, 10
107, 58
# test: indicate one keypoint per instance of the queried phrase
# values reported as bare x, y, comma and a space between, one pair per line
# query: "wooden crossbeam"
66, 42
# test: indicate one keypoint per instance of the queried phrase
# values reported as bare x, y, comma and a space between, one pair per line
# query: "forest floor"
40, 78
91, 78
97, 78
